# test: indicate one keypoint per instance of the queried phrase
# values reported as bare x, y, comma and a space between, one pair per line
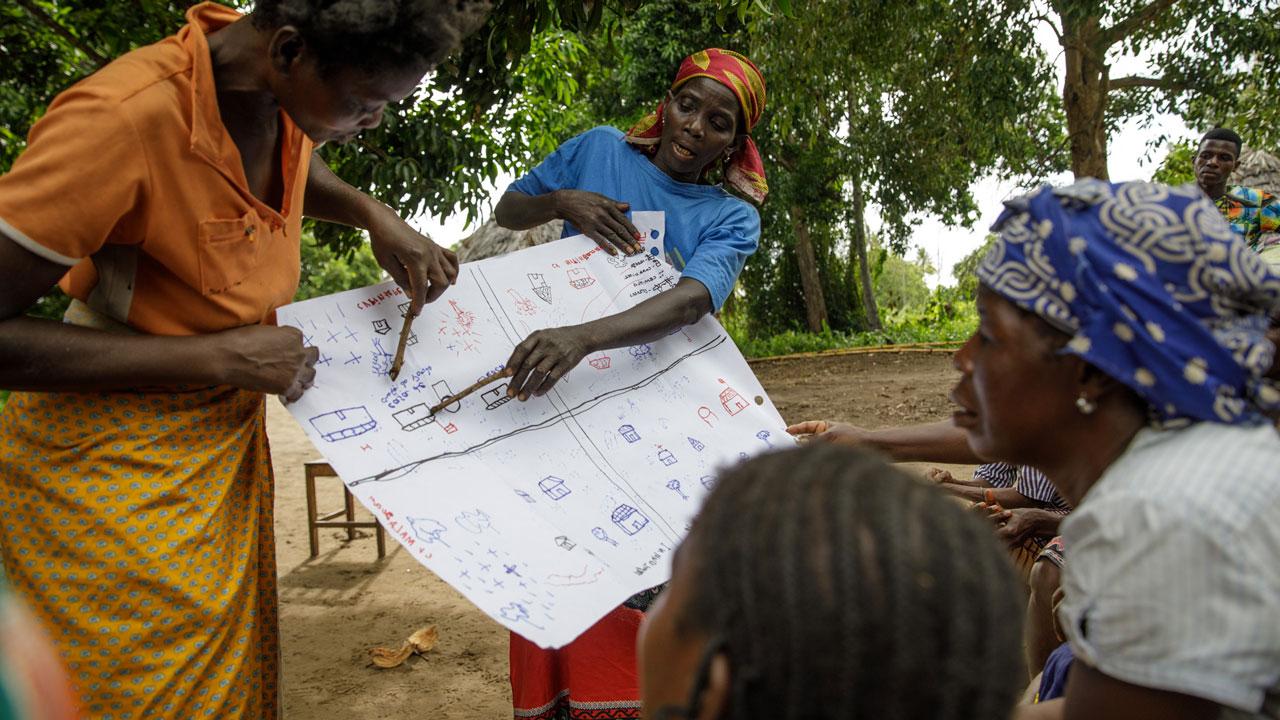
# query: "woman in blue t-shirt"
594, 179
592, 182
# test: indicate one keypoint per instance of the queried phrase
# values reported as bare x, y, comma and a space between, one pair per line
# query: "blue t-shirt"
709, 233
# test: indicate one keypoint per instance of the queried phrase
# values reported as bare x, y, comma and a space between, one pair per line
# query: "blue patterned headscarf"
1152, 287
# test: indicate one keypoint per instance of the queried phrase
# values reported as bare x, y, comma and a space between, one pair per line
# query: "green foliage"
4, 397
1253, 113
637, 63
1223, 69
635, 69
497, 106
326, 270
966, 271
500, 105
946, 317
905, 105
915, 116
443, 152
775, 302
1177, 166
1205, 60
899, 283
45, 46
906, 102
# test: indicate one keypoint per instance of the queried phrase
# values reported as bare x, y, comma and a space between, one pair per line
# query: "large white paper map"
548, 513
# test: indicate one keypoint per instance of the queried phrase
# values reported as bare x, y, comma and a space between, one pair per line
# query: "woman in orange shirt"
167, 192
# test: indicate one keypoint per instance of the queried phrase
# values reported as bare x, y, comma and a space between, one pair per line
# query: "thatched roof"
492, 240
1258, 169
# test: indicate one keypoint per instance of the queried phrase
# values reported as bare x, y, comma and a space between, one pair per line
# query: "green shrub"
1178, 166
947, 317
326, 270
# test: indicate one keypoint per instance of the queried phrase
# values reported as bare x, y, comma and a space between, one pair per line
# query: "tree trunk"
1084, 94
815, 304
858, 230
858, 241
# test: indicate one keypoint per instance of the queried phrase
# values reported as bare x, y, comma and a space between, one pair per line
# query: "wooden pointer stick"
451, 399
404, 342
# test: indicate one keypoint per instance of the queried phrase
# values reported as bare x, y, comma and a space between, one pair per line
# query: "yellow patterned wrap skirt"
138, 527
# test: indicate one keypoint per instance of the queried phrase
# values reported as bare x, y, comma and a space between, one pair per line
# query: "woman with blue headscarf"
1122, 351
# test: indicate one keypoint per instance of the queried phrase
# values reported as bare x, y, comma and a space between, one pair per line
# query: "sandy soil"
338, 605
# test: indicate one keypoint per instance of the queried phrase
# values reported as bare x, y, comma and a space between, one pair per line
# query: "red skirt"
591, 678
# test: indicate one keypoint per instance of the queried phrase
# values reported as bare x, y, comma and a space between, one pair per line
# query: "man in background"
1253, 214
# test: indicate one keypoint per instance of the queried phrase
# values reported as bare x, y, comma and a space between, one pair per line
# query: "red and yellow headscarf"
745, 169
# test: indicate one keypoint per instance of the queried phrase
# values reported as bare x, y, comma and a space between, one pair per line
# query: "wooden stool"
315, 522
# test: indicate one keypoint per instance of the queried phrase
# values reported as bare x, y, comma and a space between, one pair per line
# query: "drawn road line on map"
555, 419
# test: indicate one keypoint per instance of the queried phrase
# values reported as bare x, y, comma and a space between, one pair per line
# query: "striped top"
1172, 582
1026, 480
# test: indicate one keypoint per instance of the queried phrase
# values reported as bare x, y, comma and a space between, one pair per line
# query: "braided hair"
838, 586
376, 35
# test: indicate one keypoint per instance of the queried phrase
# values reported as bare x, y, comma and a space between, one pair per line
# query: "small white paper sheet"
547, 513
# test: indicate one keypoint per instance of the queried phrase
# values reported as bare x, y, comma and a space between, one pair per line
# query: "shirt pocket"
229, 250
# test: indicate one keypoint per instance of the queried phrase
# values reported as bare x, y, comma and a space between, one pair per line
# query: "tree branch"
366, 145
1137, 81
1044, 17
1125, 27
43, 18
1043, 166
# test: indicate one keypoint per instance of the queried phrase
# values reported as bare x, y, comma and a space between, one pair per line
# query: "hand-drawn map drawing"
547, 513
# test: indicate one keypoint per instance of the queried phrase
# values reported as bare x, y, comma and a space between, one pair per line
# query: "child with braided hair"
816, 583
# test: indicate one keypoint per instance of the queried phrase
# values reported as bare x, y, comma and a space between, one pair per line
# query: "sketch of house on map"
546, 513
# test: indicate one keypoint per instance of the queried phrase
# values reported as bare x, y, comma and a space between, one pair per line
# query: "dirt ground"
336, 606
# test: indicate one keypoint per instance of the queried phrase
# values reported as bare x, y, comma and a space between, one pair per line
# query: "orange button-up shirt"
132, 181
